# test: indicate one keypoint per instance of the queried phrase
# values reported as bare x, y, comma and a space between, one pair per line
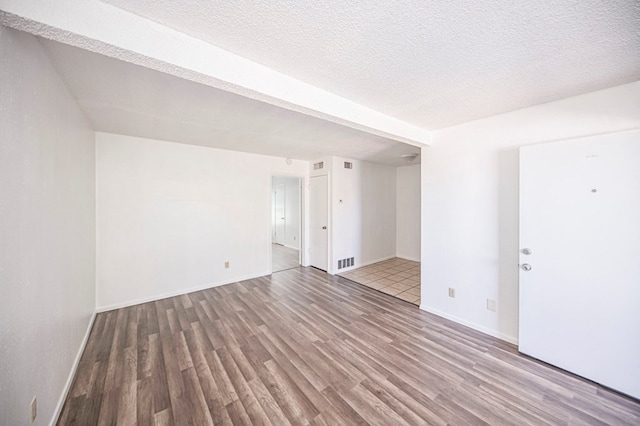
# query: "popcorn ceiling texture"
123, 98
114, 32
430, 63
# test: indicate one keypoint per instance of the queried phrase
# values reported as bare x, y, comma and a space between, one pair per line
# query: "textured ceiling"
433, 63
123, 98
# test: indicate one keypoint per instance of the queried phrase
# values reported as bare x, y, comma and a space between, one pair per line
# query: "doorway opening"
285, 223
389, 219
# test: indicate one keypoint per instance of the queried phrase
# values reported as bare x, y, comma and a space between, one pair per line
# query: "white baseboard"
72, 373
382, 259
292, 247
175, 293
413, 259
361, 265
469, 324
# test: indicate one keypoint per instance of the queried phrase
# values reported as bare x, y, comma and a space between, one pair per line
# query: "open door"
318, 222
580, 257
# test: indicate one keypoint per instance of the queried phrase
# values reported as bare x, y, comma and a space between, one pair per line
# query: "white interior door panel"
580, 282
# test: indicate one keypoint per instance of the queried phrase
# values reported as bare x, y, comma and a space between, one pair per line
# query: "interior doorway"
285, 223
396, 271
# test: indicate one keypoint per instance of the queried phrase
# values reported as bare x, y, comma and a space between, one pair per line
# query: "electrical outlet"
226, 265
34, 409
452, 292
491, 305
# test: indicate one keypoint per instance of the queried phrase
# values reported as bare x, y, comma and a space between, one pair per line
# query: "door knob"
324, 227
525, 267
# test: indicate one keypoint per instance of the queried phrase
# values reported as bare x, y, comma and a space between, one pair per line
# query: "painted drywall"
408, 212
110, 31
363, 212
291, 210
169, 216
47, 231
470, 201
432, 63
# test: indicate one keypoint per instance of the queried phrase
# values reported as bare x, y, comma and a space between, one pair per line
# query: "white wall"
169, 215
47, 231
408, 202
470, 201
363, 212
292, 210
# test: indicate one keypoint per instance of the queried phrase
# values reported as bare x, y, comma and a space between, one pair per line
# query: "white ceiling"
123, 98
433, 63
305, 79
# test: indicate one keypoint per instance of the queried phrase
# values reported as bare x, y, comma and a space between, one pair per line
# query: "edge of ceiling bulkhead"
105, 29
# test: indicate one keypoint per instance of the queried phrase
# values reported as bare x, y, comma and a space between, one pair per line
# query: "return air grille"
348, 165
345, 263
318, 166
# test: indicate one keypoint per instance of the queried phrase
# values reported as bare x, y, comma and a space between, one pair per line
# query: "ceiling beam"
105, 29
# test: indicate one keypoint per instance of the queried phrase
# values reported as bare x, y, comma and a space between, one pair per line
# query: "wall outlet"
34, 409
452, 292
226, 265
491, 305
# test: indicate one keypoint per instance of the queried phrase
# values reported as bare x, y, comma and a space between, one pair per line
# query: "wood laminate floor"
302, 347
283, 258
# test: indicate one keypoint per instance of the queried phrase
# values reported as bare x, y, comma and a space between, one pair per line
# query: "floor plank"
304, 347
283, 258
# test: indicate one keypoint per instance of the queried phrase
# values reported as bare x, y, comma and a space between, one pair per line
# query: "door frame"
276, 237
304, 208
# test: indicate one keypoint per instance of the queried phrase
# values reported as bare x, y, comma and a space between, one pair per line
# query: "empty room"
319, 213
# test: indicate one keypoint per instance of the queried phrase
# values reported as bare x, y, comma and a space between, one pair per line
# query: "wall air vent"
345, 263
348, 165
318, 166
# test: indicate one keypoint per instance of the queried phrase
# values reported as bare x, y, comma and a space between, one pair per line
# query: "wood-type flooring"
303, 347
283, 258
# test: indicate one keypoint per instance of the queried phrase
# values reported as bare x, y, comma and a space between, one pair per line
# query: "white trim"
72, 373
469, 324
330, 231
291, 247
413, 259
362, 265
177, 293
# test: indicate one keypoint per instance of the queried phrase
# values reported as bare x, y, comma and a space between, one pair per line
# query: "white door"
580, 282
279, 212
318, 221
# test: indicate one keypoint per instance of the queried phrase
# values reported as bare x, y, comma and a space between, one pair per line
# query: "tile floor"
397, 277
